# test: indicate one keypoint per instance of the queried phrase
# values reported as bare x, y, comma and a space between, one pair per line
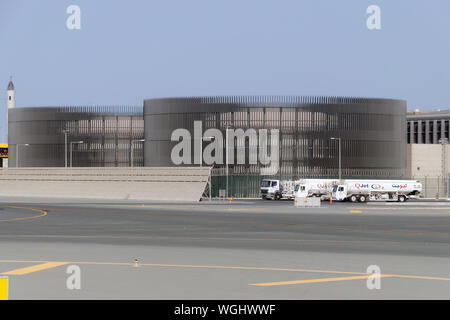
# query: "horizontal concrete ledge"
148, 183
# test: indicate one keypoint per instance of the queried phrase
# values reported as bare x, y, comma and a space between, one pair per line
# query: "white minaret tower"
10, 103
10, 96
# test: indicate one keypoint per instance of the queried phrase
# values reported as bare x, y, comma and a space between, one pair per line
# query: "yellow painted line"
355, 275
188, 266
3, 288
239, 209
419, 277
283, 283
35, 268
43, 214
355, 211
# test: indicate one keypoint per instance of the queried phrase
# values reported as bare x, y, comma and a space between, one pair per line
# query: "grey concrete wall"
157, 183
425, 163
425, 160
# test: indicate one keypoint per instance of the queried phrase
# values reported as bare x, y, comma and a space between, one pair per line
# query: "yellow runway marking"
186, 266
240, 209
43, 214
39, 267
283, 283
352, 274
3, 288
355, 211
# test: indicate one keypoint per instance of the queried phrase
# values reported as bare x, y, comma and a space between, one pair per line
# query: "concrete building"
427, 127
427, 153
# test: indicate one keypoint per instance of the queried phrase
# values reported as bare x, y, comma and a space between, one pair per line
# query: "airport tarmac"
244, 249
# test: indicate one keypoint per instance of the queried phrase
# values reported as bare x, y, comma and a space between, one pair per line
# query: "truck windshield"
265, 183
335, 188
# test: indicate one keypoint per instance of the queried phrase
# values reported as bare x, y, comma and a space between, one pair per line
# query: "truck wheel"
362, 198
353, 198
401, 198
277, 196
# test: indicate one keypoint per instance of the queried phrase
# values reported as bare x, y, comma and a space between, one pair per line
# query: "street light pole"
65, 147
226, 158
132, 150
340, 157
444, 142
71, 149
17, 152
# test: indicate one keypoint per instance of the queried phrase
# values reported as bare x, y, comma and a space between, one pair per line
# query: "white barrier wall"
143, 183
307, 202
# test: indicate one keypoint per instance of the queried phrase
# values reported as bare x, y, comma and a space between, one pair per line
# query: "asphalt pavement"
244, 249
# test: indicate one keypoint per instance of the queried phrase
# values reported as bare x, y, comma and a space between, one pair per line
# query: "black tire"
362, 198
353, 198
277, 196
401, 198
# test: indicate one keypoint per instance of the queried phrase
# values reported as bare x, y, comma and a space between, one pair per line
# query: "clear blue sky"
130, 50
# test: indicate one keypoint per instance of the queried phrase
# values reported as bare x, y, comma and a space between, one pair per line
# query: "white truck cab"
340, 192
277, 189
270, 189
301, 190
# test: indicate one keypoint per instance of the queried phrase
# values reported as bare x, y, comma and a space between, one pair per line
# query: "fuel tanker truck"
290, 189
376, 190
315, 188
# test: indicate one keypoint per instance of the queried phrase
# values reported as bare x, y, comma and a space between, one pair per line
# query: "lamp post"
444, 142
71, 149
340, 161
65, 147
17, 152
132, 150
226, 159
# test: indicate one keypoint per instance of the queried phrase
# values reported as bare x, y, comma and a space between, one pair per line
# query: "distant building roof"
438, 114
10, 86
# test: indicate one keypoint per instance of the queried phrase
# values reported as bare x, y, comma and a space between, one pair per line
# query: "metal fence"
434, 187
248, 186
